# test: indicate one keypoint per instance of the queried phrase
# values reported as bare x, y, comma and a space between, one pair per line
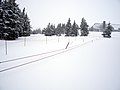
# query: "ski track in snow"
22, 61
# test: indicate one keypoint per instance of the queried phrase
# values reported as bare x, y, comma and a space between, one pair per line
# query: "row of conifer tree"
14, 22
67, 29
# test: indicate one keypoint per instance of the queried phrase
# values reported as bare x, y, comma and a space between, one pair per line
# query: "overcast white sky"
41, 12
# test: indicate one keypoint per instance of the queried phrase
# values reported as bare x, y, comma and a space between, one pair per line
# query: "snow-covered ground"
43, 63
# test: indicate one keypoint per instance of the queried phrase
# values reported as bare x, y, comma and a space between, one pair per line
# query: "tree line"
68, 29
14, 22
73, 29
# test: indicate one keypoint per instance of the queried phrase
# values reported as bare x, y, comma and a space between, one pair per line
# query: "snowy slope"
91, 66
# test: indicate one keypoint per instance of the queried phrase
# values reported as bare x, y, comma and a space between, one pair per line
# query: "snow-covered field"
42, 63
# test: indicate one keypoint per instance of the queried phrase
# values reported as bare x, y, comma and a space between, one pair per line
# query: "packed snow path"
22, 61
34, 58
92, 66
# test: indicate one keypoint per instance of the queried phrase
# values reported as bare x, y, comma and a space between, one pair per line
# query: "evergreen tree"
0, 1
36, 31
74, 30
12, 20
58, 30
18, 15
84, 28
63, 29
108, 30
52, 27
25, 24
44, 30
68, 28
11, 1
26, 28
9, 18
1, 20
47, 30
50, 30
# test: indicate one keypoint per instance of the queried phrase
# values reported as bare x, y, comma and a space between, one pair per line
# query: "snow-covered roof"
116, 26
100, 26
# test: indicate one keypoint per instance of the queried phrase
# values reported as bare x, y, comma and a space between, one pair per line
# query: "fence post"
58, 39
24, 41
67, 45
6, 47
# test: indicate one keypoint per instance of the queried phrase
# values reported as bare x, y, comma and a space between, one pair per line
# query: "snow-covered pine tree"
26, 24
74, 30
1, 20
52, 27
9, 19
43, 31
22, 21
36, 31
63, 29
68, 28
19, 18
49, 31
26, 29
58, 30
11, 1
12, 20
108, 30
84, 28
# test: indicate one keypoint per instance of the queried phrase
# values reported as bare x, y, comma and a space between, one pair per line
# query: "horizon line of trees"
68, 29
14, 22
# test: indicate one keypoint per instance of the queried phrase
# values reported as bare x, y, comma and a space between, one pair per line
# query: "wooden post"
58, 39
25, 41
67, 45
6, 47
